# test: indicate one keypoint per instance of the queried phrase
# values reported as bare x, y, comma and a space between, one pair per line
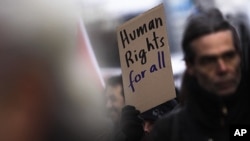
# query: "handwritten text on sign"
133, 56
145, 59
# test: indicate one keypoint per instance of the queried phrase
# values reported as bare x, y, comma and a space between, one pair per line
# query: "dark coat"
204, 116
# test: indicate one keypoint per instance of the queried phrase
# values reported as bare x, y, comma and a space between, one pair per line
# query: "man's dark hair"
114, 81
203, 23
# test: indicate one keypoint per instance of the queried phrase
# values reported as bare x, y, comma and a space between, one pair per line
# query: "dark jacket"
204, 116
130, 127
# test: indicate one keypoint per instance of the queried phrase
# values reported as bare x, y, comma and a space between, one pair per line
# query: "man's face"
115, 101
217, 63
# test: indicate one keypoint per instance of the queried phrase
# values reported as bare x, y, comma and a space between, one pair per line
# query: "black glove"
131, 124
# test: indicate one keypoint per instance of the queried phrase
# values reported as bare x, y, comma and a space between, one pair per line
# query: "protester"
136, 126
121, 117
115, 101
42, 98
216, 95
151, 116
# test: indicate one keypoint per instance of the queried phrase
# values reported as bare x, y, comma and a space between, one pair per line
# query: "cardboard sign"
145, 60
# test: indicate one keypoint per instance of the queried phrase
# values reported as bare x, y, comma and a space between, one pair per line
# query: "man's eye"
229, 55
207, 60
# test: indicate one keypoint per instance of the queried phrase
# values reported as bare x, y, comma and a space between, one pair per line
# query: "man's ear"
190, 68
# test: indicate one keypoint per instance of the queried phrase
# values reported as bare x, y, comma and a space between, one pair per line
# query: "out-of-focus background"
54, 62
101, 18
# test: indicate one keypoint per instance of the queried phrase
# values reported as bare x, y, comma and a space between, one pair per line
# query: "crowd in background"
48, 94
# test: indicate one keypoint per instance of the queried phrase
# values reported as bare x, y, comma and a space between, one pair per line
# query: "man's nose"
222, 66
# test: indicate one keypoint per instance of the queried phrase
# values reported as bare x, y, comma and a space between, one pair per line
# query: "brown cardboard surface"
145, 60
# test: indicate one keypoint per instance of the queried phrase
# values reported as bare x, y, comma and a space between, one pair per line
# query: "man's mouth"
224, 84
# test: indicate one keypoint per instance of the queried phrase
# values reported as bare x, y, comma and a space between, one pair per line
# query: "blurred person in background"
135, 125
46, 94
214, 87
151, 116
129, 123
115, 100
